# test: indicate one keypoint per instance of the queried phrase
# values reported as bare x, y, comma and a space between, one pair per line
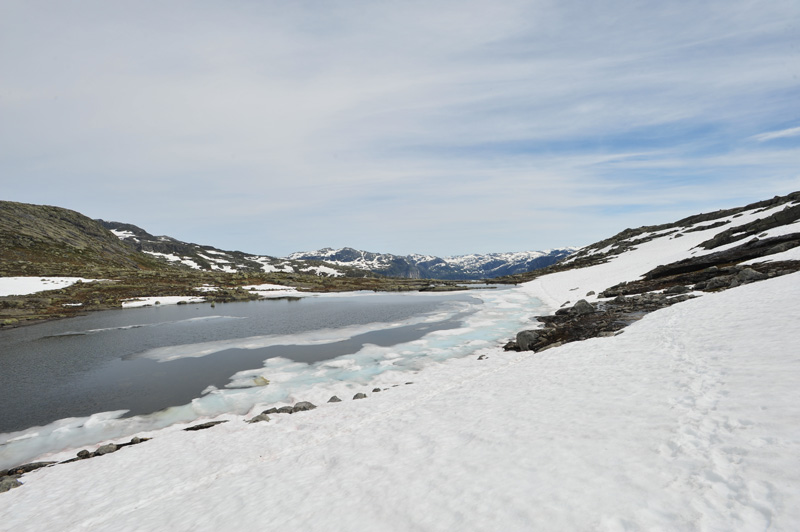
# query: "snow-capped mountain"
467, 267
198, 257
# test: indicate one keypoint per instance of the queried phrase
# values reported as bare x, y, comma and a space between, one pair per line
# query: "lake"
98, 362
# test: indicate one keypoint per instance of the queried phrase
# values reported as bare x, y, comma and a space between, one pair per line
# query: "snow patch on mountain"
467, 267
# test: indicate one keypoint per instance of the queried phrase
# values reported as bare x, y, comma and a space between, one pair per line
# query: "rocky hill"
45, 240
462, 267
207, 258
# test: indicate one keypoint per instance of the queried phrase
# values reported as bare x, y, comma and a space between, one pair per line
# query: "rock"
723, 281
27, 468
482, 357
749, 275
334, 399
302, 406
582, 307
780, 248
591, 293
259, 418
375, 390
677, 289
285, 410
360, 396
526, 339
84, 454
106, 449
270, 411
135, 440
9, 483
203, 426
511, 346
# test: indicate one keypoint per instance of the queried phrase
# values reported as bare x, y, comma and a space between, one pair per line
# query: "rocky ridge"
736, 263
188, 255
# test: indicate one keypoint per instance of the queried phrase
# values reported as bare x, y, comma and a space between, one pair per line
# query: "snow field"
669, 426
20, 286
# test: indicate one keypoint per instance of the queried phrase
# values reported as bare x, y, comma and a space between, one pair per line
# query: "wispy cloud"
442, 127
771, 135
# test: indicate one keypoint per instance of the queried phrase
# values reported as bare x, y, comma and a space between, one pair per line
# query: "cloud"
771, 135
394, 124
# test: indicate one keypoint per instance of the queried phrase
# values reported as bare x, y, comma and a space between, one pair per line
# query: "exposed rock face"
581, 324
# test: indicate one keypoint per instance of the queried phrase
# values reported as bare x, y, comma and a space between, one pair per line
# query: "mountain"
773, 227
44, 240
461, 267
208, 258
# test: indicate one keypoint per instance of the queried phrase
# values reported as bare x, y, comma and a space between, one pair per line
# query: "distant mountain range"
466, 267
330, 262
46, 240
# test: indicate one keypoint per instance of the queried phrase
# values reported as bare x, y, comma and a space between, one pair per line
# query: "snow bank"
160, 300
20, 286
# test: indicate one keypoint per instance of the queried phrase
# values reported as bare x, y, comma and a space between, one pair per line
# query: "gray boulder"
259, 418
303, 406
334, 399
723, 281
106, 449
527, 339
582, 307
8, 483
677, 289
749, 275
360, 396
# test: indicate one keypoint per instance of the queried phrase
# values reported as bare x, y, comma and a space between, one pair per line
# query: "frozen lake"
114, 374
98, 362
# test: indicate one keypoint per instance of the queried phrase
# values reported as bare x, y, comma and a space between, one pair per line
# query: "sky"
436, 127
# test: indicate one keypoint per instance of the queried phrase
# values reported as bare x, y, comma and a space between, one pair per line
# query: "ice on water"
499, 315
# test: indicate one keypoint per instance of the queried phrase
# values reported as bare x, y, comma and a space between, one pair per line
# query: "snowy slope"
689, 420
199, 257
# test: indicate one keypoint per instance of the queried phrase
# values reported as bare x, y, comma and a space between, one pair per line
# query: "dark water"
85, 365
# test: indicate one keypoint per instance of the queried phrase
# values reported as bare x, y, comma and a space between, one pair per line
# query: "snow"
269, 265
668, 426
268, 290
174, 258
323, 270
688, 420
791, 254
122, 235
159, 300
20, 286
